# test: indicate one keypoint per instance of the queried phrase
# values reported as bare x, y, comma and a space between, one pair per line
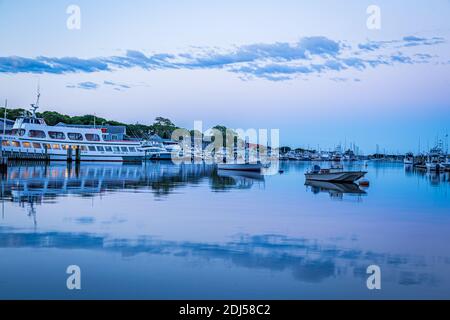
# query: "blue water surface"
165, 231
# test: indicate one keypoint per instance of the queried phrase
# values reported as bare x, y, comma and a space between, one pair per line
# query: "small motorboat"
334, 175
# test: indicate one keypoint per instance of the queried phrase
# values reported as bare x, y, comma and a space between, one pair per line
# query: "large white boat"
32, 138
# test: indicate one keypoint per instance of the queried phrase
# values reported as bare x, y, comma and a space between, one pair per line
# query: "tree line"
161, 126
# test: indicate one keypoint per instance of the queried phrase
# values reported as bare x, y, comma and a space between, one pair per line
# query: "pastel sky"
309, 68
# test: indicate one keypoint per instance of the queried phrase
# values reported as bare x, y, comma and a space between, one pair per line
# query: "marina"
225, 159
29, 138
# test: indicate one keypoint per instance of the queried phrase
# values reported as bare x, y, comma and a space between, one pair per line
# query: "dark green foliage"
162, 126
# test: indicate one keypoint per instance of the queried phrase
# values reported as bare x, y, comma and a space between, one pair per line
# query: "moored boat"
334, 175
254, 167
409, 159
435, 160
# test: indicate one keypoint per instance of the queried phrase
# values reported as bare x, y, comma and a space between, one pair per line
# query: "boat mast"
4, 117
35, 106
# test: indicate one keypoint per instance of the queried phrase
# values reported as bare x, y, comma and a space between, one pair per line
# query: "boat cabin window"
16, 144
47, 146
36, 134
75, 136
92, 137
100, 148
18, 132
26, 144
37, 121
83, 148
116, 149
37, 145
109, 149
55, 146
5, 143
132, 149
57, 135
124, 149
92, 148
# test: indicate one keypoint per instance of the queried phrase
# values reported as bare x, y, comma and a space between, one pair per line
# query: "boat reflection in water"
237, 179
433, 177
336, 190
36, 183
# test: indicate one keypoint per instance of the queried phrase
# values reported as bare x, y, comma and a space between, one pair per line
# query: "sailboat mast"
4, 117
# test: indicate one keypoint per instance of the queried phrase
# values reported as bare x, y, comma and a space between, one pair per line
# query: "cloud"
405, 42
88, 85
401, 59
277, 61
412, 41
40, 65
117, 86
339, 79
84, 85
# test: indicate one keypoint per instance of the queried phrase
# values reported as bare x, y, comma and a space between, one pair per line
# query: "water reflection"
308, 260
233, 226
434, 178
225, 180
34, 184
335, 190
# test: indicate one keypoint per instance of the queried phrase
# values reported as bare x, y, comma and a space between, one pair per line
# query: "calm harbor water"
161, 231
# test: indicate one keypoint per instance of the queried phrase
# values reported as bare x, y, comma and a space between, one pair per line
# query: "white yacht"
409, 158
156, 148
435, 159
173, 147
32, 138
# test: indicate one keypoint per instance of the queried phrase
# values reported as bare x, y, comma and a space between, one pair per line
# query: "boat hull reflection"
335, 189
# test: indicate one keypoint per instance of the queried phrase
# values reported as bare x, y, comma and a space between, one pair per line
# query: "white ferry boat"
32, 138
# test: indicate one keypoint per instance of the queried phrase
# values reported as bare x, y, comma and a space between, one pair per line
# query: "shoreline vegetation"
161, 126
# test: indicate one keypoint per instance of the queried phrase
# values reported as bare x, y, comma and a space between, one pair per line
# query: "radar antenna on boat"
35, 106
